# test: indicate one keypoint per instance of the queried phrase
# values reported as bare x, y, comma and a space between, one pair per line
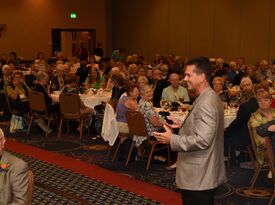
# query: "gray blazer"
14, 182
200, 164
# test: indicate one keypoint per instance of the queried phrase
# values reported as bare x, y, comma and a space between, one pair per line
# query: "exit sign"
73, 15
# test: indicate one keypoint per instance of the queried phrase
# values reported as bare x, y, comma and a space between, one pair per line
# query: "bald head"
174, 80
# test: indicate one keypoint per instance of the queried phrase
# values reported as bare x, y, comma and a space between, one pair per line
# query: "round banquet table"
88, 100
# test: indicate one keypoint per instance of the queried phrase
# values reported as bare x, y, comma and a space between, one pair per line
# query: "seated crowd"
140, 85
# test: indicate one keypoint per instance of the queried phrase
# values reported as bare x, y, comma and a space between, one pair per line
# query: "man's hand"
176, 122
271, 128
164, 137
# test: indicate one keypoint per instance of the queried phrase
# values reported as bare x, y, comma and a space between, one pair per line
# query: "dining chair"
30, 186
70, 108
257, 166
137, 126
247, 151
11, 110
271, 160
38, 109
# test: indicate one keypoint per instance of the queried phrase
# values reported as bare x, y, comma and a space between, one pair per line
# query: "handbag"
17, 124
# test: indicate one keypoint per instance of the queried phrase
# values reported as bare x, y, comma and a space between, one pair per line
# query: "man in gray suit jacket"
14, 178
200, 165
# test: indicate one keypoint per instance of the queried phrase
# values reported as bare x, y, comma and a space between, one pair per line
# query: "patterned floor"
95, 151
55, 185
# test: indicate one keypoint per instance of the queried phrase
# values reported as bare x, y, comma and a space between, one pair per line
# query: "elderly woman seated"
126, 103
263, 115
17, 91
153, 120
71, 82
218, 86
94, 80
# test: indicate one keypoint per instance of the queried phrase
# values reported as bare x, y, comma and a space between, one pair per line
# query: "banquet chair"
11, 110
247, 151
30, 186
258, 167
70, 108
38, 109
271, 160
137, 126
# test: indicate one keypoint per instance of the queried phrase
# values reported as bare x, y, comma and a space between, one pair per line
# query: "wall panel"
29, 23
255, 30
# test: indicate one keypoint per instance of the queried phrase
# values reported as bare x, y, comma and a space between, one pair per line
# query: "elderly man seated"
237, 134
14, 178
175, 92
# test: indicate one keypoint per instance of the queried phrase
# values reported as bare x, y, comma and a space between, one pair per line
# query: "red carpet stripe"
132, 185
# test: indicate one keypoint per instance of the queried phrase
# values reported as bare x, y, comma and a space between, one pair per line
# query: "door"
69, 41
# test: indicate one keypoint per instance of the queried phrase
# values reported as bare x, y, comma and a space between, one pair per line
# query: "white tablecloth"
89, 100
229, 116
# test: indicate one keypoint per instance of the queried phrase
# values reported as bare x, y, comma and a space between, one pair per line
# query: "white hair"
4, 67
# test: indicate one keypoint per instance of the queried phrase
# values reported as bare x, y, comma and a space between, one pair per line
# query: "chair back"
252, 140
270, 155
136, 123
69, 105
37, 102
30, 186
12, 111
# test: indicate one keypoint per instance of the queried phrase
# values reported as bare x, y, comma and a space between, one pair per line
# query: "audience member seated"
30, 78
110, 84
133, 71
13, 176
153, 120
142, 80
263, 72
83, 72
218, 86
234, 74
175, 92
126, 103
94, 80
221, 68
57, 82
237, 134
43, 87
250, 71
71, 82
17, 91
4, 80
118, 89
158, 84
40, 61
263, 115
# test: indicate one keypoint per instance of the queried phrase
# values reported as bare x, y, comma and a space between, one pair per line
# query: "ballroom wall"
29, 23
226, 28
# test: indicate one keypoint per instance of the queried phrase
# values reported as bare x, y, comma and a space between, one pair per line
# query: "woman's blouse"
96, 84
22, 91
121, 110
257, 119
147, 109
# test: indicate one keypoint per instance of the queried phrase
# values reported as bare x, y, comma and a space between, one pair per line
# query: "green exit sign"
73, 15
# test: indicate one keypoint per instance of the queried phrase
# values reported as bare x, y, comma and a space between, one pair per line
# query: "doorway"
68, 40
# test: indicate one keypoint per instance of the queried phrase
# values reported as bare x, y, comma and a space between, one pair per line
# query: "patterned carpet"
55, 185
95, 151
